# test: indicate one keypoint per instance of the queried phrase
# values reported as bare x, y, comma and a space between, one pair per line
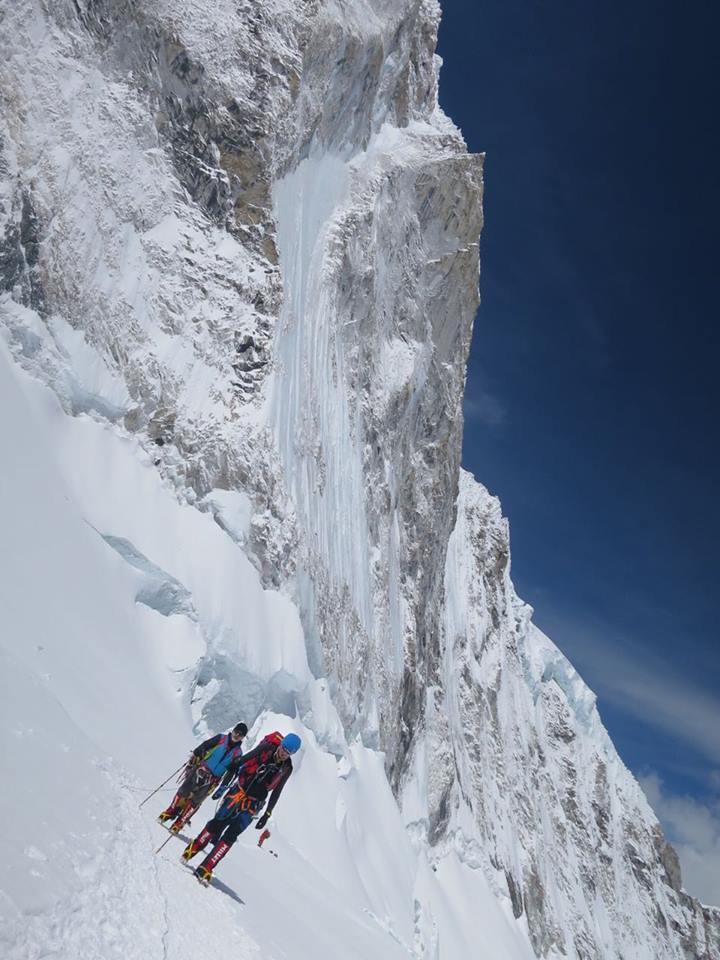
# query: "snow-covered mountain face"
535, 771
239, 242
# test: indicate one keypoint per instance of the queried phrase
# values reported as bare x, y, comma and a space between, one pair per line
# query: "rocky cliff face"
558, 815
256, 216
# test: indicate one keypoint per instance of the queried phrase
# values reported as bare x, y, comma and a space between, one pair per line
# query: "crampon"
189, 852
203, 875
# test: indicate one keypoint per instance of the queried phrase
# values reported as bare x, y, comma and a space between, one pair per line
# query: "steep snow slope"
95, 710
238, 243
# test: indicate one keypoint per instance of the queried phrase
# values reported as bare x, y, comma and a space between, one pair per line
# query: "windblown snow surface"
96, 711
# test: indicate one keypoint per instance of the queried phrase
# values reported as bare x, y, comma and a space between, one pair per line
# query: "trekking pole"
164, 842
162, 785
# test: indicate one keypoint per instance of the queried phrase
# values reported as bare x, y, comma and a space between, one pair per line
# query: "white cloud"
643, 685
485, 408
669, 702
693, 828
658, 692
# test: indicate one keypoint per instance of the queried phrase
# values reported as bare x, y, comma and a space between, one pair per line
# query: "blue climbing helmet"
291, 742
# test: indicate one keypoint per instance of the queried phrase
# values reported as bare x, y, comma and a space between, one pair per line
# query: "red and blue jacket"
219, 754
260, 773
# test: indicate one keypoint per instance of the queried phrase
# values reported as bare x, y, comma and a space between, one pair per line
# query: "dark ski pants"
193, 792
229, 828
198, 783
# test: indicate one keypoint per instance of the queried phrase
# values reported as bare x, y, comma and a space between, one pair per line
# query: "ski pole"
165, 841
162, 785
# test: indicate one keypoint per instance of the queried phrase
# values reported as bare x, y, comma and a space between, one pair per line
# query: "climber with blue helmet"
263, 773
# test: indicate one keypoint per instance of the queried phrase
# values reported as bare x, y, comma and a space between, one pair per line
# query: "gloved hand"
262, 821
220, 792
193, 761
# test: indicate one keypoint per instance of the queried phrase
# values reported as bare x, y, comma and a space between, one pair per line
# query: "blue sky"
593, 392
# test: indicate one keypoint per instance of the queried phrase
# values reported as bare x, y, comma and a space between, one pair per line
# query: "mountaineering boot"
177, 806
182, 821
196, 845
183, 818
204, 871
202, 875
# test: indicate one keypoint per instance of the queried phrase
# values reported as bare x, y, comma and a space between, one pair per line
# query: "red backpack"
274, 738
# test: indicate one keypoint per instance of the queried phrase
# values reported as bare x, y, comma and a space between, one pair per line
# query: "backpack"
275, 738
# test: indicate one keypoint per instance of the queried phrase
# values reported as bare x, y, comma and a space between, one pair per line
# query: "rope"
143, 789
